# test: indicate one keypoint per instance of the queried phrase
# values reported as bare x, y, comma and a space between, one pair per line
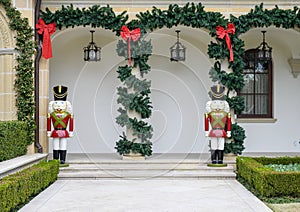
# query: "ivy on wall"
191, 15
24, 84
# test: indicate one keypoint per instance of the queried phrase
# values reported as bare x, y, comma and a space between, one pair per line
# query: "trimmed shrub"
18, 188
13, 139
268, 182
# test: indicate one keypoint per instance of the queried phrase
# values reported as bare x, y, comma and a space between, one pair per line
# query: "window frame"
269, 93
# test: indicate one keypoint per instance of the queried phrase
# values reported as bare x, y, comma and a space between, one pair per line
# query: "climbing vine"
23, 85
192, 15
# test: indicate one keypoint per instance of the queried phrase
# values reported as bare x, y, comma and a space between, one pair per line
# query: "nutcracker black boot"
63, 154
55, 154
213, 156
220, 156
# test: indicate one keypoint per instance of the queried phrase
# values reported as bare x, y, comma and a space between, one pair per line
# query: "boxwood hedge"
268, 182
18, 188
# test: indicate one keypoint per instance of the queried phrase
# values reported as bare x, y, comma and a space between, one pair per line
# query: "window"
257, 91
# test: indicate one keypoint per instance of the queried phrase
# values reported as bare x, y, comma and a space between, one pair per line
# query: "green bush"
236, 146
18, 188
13, 139
268, 182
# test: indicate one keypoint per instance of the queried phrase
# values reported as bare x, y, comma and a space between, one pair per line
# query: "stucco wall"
282, 135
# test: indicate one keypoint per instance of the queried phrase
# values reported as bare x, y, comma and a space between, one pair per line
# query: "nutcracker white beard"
59, 106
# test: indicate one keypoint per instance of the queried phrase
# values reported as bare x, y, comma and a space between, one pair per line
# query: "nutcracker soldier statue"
218, 117
60, 116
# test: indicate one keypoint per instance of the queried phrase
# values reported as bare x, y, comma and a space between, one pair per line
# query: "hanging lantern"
92, 52
177, 51
264, 51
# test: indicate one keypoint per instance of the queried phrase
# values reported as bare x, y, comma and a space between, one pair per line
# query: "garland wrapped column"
134, 96
132, 135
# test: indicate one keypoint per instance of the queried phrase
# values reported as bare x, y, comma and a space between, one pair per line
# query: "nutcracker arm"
71, 125
206, 124
228, 125
48, 125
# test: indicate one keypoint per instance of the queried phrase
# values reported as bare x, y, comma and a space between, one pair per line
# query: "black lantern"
264, 51
92, 52
177, 51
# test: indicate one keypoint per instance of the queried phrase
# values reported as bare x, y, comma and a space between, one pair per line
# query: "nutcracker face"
217, 105
59, 106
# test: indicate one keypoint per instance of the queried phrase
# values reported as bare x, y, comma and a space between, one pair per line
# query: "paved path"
150, 195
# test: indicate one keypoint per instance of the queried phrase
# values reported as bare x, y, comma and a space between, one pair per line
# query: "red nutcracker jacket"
60, 122
220, 122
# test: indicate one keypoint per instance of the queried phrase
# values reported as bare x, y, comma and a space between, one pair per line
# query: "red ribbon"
221, 32
129, 36
46, 30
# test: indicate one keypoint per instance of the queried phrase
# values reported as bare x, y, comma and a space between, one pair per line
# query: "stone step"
19, 163
146, 166
129, 170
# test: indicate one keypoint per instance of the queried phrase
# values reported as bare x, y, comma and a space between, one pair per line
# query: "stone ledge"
19, 163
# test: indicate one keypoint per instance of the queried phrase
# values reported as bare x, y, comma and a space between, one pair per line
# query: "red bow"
221, 32
47, 30
128, 35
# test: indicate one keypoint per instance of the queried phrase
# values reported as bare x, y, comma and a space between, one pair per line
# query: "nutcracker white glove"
228, 134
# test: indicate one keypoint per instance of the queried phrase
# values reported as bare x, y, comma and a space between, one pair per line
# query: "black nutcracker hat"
60, 93
217, 92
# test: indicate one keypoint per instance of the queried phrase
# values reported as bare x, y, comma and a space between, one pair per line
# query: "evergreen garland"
94, 16
24, 83
137, 99
189, 15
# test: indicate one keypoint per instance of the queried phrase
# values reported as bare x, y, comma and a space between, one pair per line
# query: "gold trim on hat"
60, 96
217, 95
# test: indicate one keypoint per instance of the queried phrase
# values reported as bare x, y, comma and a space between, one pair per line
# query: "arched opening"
178, 90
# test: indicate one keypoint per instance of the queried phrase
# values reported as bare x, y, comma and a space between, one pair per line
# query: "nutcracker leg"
213, 150
63, 154
55, 154
59, 152
63, 150
56, 148
213, 156
220, 156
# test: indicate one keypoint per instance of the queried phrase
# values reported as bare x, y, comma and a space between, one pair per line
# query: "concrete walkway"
151, 195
